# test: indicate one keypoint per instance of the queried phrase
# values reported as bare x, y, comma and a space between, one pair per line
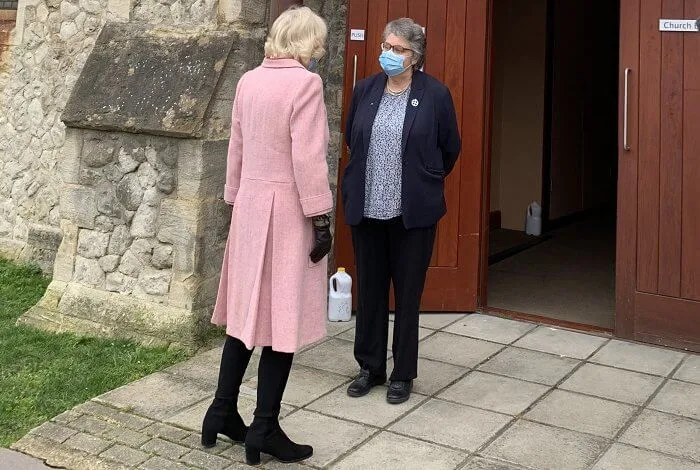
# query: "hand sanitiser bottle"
340, 296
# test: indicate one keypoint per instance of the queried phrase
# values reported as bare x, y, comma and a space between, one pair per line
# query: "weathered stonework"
126, 205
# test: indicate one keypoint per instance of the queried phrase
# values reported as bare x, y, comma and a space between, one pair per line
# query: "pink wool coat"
270, 293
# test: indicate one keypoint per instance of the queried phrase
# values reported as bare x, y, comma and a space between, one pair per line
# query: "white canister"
533, 223
340, 296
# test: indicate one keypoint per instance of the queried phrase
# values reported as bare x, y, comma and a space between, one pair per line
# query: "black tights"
273, 373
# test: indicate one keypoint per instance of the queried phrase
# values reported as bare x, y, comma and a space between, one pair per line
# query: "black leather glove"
323, 240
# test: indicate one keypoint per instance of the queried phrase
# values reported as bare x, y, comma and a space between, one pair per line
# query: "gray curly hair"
413, 33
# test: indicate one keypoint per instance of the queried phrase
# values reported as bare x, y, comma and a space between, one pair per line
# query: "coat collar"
281, 63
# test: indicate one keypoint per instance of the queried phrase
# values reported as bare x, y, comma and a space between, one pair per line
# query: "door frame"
482, 298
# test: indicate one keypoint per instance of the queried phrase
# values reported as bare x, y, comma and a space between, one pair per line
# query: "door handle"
625, 113
354, 72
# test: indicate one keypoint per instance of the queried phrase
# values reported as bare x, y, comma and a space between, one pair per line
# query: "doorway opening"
554, 125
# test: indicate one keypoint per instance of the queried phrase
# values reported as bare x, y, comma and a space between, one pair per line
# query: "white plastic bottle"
340, 296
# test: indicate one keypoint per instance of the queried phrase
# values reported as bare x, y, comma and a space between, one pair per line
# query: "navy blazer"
429, 148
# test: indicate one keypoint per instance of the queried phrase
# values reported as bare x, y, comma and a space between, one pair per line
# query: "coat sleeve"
309, 131
234, 160
448, 132
351, 114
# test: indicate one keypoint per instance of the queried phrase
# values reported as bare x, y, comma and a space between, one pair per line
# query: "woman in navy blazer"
404, 140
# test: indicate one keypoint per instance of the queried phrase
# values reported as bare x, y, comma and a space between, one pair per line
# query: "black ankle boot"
222, 418
266, 436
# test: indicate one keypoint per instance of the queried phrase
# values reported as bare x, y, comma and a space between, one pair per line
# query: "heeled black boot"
222, 417
265, 434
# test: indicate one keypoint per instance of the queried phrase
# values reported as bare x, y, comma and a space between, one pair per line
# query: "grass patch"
43, 374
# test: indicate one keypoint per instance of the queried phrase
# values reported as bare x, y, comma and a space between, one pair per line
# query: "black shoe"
222, 418
399, 391
364, 382
266, 436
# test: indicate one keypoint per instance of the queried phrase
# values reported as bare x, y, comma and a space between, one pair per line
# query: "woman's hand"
323, 240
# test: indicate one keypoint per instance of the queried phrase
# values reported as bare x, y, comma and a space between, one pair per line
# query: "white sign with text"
679, 26
357, 34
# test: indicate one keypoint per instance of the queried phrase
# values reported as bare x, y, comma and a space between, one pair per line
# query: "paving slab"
437, 321
306, 385
329, 436
490, 328
371, 409
561, 342
334, 328
389, 450
614, 384
623, 457
543, 447
494, 392
349, 335
125, 455
10, 459
678, 398
639, 358
582, 413
432, 375
159, 396
530, 365
451, 424
457, 350
334, 355
665, 433
480, 463
690, 370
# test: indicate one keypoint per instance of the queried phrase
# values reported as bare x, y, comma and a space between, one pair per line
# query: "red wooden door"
658, 267
456, 55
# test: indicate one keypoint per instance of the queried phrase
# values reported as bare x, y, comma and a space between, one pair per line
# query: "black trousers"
385, 251
273, 373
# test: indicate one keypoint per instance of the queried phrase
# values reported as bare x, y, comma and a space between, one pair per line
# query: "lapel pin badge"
414, 103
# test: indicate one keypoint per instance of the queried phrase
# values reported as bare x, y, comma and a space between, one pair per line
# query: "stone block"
166, 432
158, 396
119, 10
665, 433
133, 97
91, 425
118, 282
532, 445
451, 424
162, 256
530, 365
109, 263
79, 205
388, 450
493, 392
248, 11
87, 443
457, 350
490, 328
165, 449
125, 455
177, 223
120, 240
144, 223
639, 358
154, 281
203, 460
55, 432
88, 272
98, 152
92, 244
613, 384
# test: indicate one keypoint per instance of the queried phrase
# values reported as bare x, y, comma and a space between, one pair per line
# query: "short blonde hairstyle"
298, 33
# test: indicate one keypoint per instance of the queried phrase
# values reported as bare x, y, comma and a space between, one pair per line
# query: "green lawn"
44, 374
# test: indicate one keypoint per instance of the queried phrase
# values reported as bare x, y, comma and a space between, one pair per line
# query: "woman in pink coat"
272, 291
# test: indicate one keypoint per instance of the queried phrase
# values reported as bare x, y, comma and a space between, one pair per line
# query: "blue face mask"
392, 63
313, 65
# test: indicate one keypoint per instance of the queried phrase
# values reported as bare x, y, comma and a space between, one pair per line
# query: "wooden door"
658, 268
456, 55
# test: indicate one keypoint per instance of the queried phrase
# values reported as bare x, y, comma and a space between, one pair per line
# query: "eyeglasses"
397, 49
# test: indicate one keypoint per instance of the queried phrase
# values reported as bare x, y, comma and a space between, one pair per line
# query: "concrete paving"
491, 394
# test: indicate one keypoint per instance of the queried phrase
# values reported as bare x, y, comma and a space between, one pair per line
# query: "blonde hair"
298, 33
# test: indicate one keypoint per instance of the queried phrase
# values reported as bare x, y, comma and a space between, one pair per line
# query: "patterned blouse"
384, 166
